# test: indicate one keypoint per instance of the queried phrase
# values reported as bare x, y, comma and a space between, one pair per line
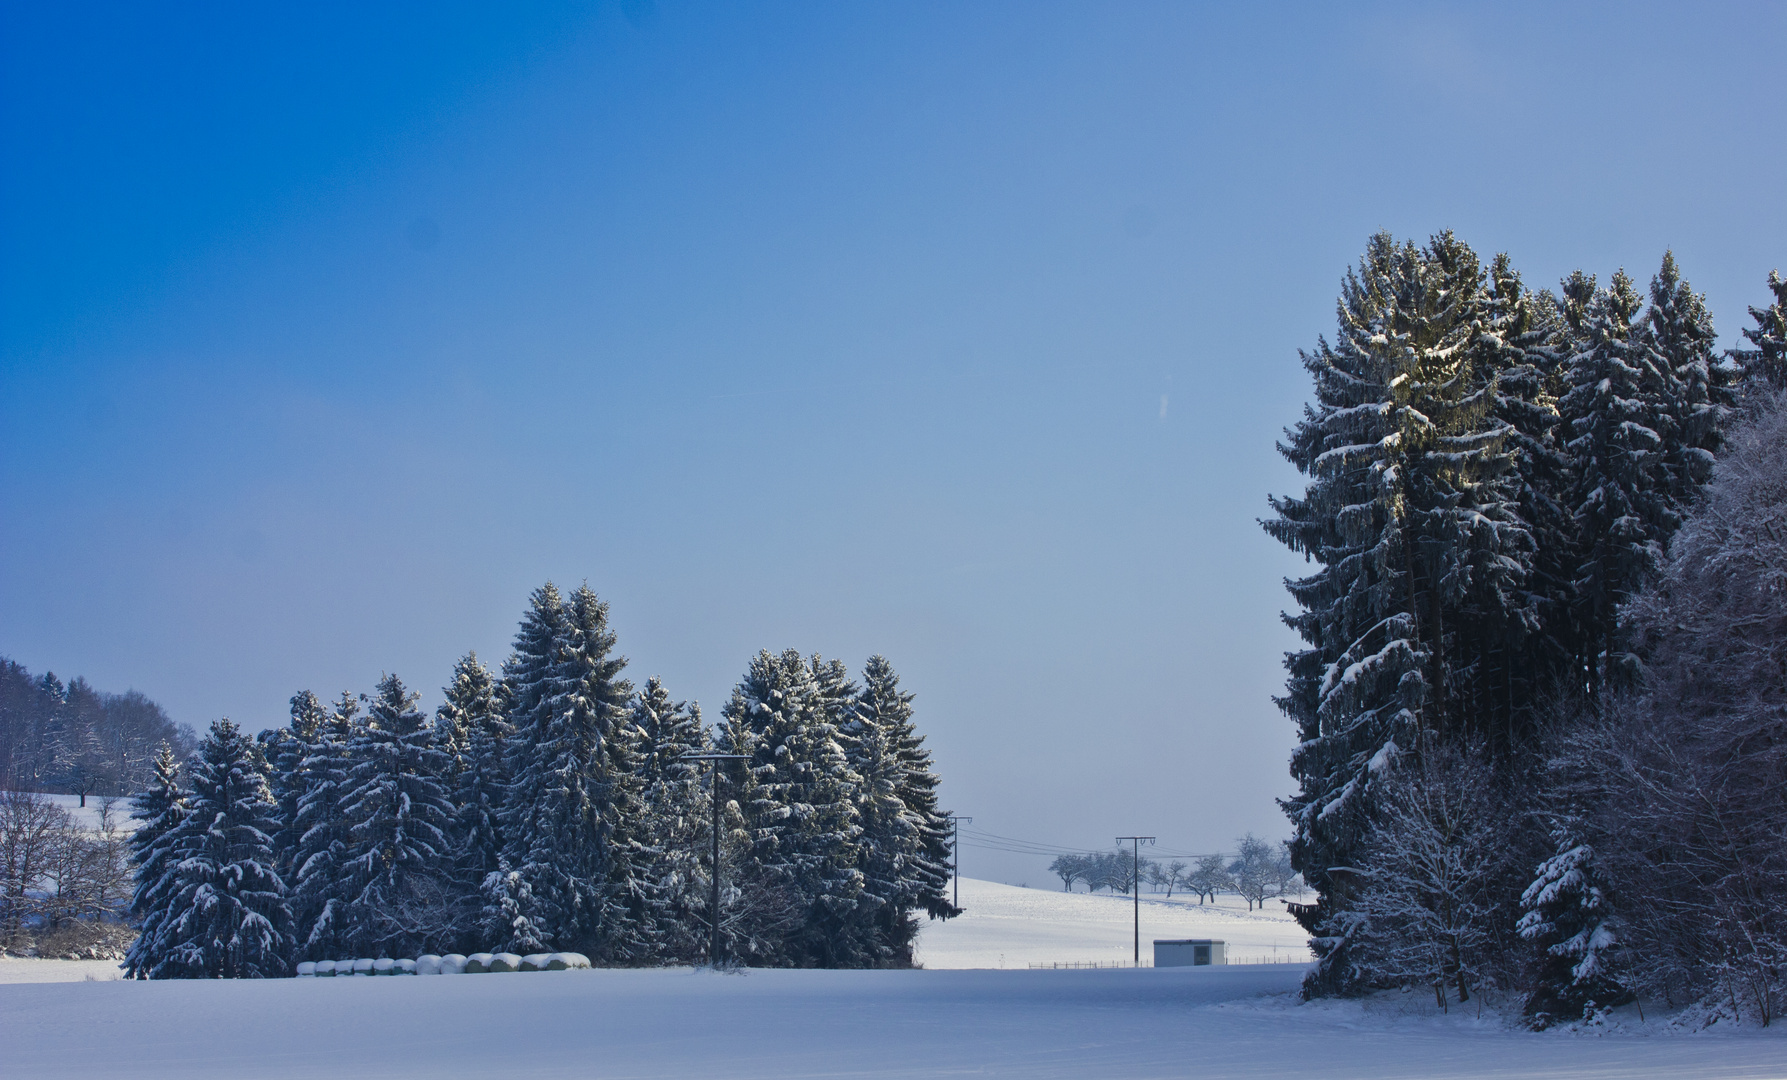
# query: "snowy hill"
1012, 927
88, 817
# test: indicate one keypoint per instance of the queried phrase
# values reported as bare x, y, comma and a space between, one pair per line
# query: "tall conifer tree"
675, 822
471, 729
159, 810
1413, 523
1764, 365
323, 839
223, 915
797, 798
568, 876
905, 839
392, 883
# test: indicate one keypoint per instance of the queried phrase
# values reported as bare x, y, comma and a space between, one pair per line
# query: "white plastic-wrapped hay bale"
453, 964
428, 964
384, 965
307, 970
478, 963
362, 966
566, 961
535, 961
324, 968
505, 961
405, 967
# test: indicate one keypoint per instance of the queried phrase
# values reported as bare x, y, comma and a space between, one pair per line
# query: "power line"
989, 841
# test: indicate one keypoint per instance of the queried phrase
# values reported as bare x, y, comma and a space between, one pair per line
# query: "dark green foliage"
676, 823
1764, 365
571, 810
392, 883
471, 730
905, 854
1493, 474
796, 794
219, 909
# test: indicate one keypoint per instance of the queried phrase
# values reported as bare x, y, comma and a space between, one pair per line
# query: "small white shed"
1190, 952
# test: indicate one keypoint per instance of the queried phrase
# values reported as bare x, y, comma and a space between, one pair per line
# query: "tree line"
72, 739
1531, 701
1257, 872
550, 806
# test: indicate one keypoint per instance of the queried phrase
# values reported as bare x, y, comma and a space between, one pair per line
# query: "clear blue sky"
957, 332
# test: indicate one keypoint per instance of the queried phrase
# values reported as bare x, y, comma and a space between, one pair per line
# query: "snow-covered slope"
88, 817
1011, 927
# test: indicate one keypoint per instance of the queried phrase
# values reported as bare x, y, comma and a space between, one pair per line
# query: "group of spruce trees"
551, 807
1494, 473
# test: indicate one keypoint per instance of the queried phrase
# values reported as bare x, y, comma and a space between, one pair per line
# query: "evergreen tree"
1523, 643
223, 914
1414, 525
1617, 411
393, 882
323, 840
567, 877
905, 839
675, 819
288, 749
1678, 330
471, 730
1765, 365
159, 810
797, 800
1567, 914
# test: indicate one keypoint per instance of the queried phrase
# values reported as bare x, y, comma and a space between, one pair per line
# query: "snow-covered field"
1003, 926
1241, 1021
88, 817
18, 969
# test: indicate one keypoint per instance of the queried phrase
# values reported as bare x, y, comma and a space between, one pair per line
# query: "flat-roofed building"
1190, 952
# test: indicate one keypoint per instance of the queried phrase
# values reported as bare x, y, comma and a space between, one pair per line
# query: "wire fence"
1098, 965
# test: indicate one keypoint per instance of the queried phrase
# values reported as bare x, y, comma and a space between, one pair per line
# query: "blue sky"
960, 333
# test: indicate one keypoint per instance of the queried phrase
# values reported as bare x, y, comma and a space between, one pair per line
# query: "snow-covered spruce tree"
568, 876
287, 750
323, 840
394, 883
796, 796
905, 839
676, 820
223, 914
157, 810
471, 729
1691, 827
1764, 367
1521, 645
1617, 411
1569, 916
1696, 394
1411, 520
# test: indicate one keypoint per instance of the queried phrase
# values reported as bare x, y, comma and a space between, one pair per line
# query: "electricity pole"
955, 844
1135, 887
713, 790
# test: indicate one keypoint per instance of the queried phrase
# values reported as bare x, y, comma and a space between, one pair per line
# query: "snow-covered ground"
20, 969
1215, 1023
88, 817
1003, 926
